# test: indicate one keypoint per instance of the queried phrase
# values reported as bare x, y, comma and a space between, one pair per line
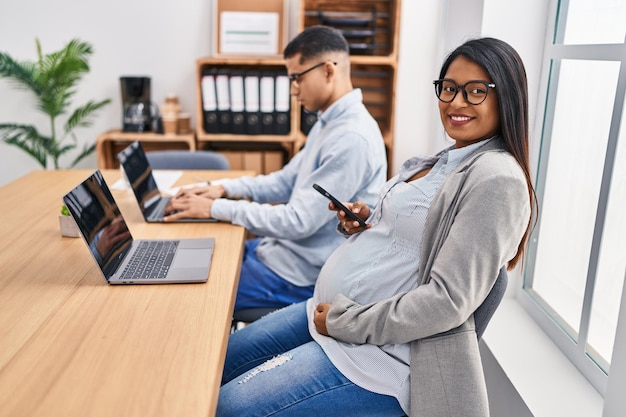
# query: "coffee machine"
138, 111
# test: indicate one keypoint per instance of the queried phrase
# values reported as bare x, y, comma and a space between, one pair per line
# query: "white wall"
130, 37
418, 64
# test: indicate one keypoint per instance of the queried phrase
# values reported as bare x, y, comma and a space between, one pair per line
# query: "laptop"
124, 260
139, 174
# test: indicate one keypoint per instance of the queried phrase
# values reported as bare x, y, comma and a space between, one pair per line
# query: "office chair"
485, 311
248, 315
187, 160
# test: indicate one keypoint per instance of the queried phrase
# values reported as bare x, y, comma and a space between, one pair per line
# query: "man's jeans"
260, 287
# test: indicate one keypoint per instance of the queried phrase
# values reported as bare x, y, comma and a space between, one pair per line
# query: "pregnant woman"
389, 330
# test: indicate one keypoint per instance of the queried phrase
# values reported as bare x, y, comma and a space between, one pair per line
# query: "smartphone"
340, 206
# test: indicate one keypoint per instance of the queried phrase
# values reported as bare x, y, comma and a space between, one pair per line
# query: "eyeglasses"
296, 77
474, 92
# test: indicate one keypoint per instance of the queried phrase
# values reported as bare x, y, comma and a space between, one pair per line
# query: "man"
344, 154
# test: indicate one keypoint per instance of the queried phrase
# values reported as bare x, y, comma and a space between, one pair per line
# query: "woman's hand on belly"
319, 318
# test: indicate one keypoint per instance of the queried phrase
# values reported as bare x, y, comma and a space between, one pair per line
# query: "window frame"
555, 52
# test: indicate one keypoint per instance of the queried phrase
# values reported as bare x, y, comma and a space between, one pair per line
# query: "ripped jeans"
274, 368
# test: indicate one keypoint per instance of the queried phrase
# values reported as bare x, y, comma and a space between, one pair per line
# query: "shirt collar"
450, 156
339, 106
455, 155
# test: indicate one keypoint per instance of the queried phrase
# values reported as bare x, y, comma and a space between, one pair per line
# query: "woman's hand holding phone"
352, 216
350, 225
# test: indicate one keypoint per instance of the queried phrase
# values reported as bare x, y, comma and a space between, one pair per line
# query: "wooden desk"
72, 345
110, 143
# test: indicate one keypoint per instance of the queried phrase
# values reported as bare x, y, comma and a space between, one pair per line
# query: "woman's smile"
459, 120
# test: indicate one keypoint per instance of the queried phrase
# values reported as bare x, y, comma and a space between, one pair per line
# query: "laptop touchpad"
191, 258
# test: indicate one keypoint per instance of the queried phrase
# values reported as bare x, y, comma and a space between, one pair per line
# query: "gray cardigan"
473, 228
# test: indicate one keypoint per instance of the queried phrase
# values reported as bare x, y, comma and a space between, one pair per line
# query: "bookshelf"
371, 28
265, 151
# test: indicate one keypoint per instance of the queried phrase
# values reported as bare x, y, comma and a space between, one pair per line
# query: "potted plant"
67, 223
53, 80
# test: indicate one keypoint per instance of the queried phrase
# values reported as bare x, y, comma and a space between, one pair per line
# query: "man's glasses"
295, 78
474, 92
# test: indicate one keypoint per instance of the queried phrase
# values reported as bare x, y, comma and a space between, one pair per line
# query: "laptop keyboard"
151, 260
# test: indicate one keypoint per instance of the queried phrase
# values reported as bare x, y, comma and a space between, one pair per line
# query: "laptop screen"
100, 221
139, 175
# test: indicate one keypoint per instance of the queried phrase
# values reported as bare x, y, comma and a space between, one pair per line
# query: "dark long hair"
506, 69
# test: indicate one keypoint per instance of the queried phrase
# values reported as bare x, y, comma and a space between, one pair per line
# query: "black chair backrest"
485, 311
248, 315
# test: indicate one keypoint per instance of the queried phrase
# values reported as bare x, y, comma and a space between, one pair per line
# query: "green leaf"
28, 139
53, 78
20, 74
81, 115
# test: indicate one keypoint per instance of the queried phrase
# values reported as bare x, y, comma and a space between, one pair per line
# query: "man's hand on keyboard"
207, 191
188, 205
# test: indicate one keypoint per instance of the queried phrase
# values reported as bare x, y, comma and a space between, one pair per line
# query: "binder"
237, 102
266, 88
223, 100
307, 120
252, 112
282, 119
209, 102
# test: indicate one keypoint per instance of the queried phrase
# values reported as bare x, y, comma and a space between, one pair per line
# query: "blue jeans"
260, 287
274, 368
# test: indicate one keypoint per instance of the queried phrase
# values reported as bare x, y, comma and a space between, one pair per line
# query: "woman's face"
464, 122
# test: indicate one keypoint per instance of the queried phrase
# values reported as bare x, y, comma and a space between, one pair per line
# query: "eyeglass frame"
461, 88
294, 78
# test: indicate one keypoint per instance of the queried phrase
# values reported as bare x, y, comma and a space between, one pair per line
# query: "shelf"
353, 16
110, 143
372, 23
377, 82
244, 66
374, 68
262, 158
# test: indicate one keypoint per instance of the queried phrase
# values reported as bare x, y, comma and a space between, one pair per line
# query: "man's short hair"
314, 41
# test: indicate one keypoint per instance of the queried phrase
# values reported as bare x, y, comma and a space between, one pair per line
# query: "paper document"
249, 33
164, 179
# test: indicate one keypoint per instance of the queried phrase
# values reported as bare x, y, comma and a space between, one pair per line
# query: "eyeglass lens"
474, 92
294, 78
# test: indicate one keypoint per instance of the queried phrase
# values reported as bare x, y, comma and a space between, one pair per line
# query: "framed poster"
250, 27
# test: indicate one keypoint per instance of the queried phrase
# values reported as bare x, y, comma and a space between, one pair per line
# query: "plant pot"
68, 226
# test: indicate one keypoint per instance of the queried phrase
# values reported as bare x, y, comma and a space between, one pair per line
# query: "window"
576, 264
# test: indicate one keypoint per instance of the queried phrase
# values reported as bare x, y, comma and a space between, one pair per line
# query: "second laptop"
139, 174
